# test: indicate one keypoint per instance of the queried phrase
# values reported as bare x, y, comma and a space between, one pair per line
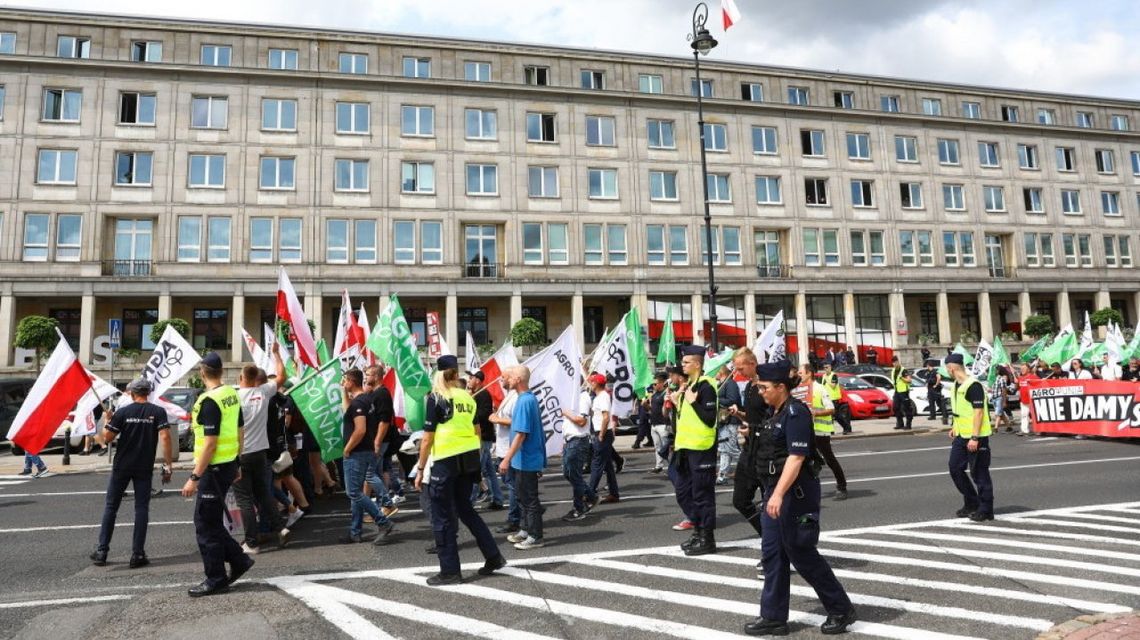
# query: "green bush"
528, 332
1101, 317
159, 328
39, 333
968, 337
1037, 326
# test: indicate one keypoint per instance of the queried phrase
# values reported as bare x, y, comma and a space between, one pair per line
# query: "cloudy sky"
1048, 45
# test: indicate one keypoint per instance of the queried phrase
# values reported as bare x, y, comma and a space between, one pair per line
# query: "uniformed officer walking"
790, 516
695, 455
900, 378
451, 440
842, 415
217, 423
822, 411
971, 442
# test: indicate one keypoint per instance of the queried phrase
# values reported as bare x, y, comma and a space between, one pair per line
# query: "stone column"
850, 320
7, 328
516, 307
578, 319
237, 323
750, 318
86, 327
1103, 299
698, 302
1064, 309
985, 317
165, 306
895, 306
801, 326
451, 320
1025, 309
942, 307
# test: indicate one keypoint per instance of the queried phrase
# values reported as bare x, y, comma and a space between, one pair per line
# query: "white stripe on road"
1078, 525
1016, 467
1136, 511
858, 454
1097, 516
61, 601
1020, 544
1064, 535
328, 602
89, 526
8, 483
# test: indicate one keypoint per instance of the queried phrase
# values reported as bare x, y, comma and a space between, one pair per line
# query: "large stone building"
152, 168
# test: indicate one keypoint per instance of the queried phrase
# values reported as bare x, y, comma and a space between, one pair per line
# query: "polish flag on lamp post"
730, 12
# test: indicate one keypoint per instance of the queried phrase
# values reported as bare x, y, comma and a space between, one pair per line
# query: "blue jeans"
375, 479
490, 474
573, 460
29, 460
604, 463
357, 466
514, 511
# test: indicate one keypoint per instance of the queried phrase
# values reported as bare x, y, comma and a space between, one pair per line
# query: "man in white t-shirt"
502, 421
602, 428
576, 431
252, 486
1110, 370
1077, 370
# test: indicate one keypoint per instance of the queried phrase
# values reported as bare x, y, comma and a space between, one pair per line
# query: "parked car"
917, 388
864, 400
13, 392
184, 398
858, 369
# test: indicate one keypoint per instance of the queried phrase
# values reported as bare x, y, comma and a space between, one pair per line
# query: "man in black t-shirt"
484, 407
138, 426
382, 434
359, 434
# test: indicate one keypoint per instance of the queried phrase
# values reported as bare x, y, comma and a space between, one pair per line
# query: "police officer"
451, 440
842, 415
971, 442
822, 413
790, 516
900, 378
217, 423
934, 391
695, 455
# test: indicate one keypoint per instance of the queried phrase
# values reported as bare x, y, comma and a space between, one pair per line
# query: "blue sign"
115, 331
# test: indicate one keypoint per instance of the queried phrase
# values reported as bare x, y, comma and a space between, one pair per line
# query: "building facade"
154, 168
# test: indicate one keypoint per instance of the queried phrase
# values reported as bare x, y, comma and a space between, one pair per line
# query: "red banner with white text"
1085, 407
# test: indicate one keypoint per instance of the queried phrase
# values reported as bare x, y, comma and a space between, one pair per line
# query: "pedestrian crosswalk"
939, 580
13, 480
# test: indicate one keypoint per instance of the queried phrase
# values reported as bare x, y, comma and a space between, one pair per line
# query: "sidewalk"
1111, 626
11, 465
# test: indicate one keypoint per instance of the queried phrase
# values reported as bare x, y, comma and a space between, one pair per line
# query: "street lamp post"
702, 43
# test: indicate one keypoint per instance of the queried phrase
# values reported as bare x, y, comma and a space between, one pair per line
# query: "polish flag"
289, 309
730, 12
344, 325
61, 384
392, 382
365, 330
493, 370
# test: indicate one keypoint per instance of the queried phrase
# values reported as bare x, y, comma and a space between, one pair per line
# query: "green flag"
290, 366
714, 363
1131, 349
323, 351
1062, 350
967, 360
638, 352
1095, 354
1034, 349
666, 344
319, 399
1000, 357
392, 342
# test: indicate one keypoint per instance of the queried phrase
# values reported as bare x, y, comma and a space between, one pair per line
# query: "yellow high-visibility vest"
457, 435
227, 400
964, 411
692, 433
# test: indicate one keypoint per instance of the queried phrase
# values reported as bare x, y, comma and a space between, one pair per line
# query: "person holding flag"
695, 455
360, 445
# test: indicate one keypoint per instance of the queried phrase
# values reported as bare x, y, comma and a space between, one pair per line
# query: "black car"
13, 392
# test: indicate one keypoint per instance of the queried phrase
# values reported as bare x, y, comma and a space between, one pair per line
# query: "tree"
159, 328
528, 332
39, 333
283, 328
1101, 317
1037, 326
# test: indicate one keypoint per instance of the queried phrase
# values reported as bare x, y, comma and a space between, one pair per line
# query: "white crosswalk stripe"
938, 580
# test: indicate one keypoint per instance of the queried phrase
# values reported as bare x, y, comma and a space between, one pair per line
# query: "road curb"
1104, 626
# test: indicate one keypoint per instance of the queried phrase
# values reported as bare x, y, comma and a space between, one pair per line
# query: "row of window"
349, 62
209, 239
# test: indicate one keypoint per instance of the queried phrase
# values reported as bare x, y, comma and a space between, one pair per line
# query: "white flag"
1087, 342
771, 346
555, 379
615, 362
473, 361
173, 358
255, 351
1115, 343
599, 349
444, 348
344, 320
983, 358
84, 422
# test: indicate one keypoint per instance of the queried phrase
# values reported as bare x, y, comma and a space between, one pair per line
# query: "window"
216, 55
764, 140
715, 137
283, 59
811, 244
1135, 155
1085, 119
752, 91
7, 42
350, 175
958, 248
906, 148
663, 185
911, 194
482, 180
277, 173
831, 247
1034, 203
908, 250
364, 248
932, 106
207, 171
57, 166
615, 244
73, 47
649, 83
972, 110
1070, 201
278, 114
36, 236
540, 127
419, 177
1027, 156
678, 245
719, 190
593, 79
988, 154
1109, 251
133, 243
867, 248
477, 71
557, 243
1046, 116
660, 134
706, 88
210, 326
592, 244
1009, 113
862, 193
218, 239
1069, 244
62, 105
726, 237
417, 121
1105, 161
767, 245
554, 252
189, 239
966, 249
417, 67
889, 104
474, 320
261, 240
1084, 248
133, 168
137, 108
336, 241
1066, 159
482, 124
948, 151
858, 146
811, 141
816, 191
431, 242
289, 249
348, 62
858, 248
995, 255
667, 245
953, 197
68, 237
768, 190
352, 117
1119, 123
1029, 243
208, 112
1124, 251
1047, 257
542, 182
798, 96
146, 51
843, 99
532, 243
536, 76
404, 241
925, 249
602, 183
1110, 203
600, 131
994, 198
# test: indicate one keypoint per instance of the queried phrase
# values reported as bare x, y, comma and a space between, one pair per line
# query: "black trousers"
934, 399
823, 446
902, 409
695, 473
254, 497
116, 487
529, 503
214, 542
842, 415
744, 489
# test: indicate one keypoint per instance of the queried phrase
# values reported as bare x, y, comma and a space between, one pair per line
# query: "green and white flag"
1133, 346
319, 399
718, 361
667, 344
1063, 349
1000, 357
967, 360
983, 358
1034, 349
638, 352
625, 359
393, 343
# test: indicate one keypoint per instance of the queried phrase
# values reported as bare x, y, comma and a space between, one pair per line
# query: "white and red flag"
350, 336
61, 384
289, 309
366, 330
730, 12
493, 370
391, 381
473, 362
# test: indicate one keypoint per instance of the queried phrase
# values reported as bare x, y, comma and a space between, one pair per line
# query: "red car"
864, 399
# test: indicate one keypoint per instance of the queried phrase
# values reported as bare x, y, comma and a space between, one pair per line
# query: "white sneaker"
42, 473
293, 518
397, 499
248, 550
283, 537
530, 543
517, 537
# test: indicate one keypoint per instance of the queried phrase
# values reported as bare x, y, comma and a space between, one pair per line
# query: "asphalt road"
911, 572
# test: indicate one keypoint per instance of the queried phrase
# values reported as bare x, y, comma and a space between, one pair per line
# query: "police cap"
693, 350
955, 358
447, 362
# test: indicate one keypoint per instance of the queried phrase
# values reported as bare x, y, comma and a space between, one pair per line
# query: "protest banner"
1085, 407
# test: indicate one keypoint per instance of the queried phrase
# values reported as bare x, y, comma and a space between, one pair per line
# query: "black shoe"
384, 536
432, 550
619, 464
762, 627
495, 506
206, 589
573, 516
510, 527
350, 538
154, 493
835, 625
692, 539
704, 545
236, 572
965, 512
139, 560
897, 428
443, 579
98, 558
636, 445
590, 504
981, 516
493, 565
841, 494
25, 472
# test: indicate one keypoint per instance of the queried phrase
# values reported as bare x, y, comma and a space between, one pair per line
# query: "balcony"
1002, 272
481, 270
774, 270
128, 268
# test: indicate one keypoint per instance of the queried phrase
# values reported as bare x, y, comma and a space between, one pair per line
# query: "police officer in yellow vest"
971, 443
694, 451
822, 409
451, 443
842, 415
217, 423
900, 378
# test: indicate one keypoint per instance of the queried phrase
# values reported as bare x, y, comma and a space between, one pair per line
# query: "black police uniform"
748, 471
694, 474
934, 396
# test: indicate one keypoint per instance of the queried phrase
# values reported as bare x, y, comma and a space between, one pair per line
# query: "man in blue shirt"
527, 456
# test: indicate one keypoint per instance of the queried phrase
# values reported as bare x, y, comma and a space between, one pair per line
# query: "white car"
917, 389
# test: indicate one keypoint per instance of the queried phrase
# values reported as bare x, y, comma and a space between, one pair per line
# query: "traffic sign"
115, 332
